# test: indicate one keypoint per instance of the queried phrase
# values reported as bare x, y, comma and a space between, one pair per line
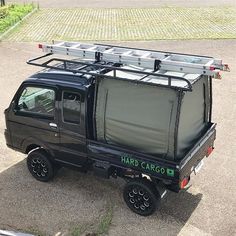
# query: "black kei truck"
141, 115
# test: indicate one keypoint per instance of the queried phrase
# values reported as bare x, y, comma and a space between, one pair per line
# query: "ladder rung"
148, 54
76, 45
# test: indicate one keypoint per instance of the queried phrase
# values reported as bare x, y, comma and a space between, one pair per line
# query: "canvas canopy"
143, 117
194, 115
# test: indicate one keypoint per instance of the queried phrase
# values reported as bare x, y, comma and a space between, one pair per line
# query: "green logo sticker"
170, 172
130, 161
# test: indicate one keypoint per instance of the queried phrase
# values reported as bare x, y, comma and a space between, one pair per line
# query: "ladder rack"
104, 70
147, 59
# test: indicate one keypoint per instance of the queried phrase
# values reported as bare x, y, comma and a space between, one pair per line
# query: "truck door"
32, 117
73, 149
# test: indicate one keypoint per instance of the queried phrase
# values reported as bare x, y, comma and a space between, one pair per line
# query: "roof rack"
157, 68
148, 59
65, 65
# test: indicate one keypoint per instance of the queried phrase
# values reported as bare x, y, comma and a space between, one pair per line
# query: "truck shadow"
82, 197
181, 205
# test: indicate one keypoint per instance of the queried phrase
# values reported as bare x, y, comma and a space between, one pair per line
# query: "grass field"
128, 24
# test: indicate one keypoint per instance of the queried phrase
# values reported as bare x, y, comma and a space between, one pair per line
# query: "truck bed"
172, 172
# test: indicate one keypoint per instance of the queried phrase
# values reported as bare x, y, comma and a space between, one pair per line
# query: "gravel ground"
128, 4
76, 200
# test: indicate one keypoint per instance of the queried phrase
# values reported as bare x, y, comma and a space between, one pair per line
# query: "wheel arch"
32, 144
32, 147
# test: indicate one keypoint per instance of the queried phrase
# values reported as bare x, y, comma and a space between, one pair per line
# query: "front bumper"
8, 138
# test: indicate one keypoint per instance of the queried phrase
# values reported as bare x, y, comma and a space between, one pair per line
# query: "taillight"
209, 150
184, 182
40, 46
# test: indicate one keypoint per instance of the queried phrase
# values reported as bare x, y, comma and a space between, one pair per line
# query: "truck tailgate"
198, 152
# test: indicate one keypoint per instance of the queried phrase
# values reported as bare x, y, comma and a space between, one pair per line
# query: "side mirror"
14, 107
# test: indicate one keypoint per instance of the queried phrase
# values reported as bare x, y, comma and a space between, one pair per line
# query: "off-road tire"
141, 196
40, 166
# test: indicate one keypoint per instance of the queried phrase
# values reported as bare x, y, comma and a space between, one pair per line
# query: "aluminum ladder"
147, 59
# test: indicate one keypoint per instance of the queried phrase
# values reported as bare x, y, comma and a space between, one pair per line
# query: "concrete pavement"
208, 207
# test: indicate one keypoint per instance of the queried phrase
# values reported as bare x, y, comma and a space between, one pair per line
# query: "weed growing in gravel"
98, 228
35, 232
105, 222
76, 231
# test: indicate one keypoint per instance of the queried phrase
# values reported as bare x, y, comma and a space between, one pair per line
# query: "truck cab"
49, 110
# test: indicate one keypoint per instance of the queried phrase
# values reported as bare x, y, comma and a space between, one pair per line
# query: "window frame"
62, 107
35, 114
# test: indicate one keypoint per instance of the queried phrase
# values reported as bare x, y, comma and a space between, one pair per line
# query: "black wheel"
141, 197
40, 166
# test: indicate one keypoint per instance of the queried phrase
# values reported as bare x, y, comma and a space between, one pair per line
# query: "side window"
37, 100
71, 107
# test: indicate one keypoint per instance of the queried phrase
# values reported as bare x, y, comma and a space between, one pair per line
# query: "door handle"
53, 125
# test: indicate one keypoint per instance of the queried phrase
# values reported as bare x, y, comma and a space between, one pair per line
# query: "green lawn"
11, 14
